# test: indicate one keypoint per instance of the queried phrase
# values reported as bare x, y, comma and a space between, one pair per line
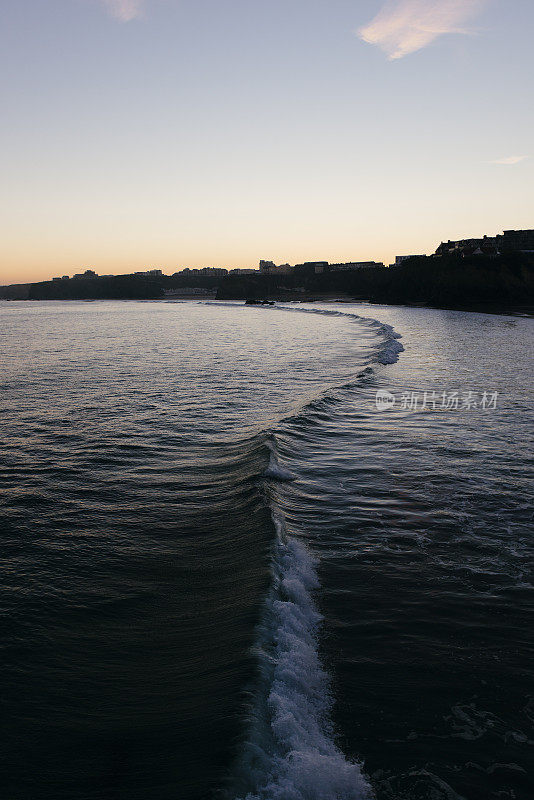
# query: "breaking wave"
388, 351
290, 752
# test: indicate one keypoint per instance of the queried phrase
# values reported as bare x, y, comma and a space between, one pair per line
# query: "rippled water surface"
229, 573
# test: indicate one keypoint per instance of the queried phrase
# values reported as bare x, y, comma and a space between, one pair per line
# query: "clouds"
124, 10
509, 161
404, 26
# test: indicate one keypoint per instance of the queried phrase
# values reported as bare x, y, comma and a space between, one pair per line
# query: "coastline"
495, 285
525, 310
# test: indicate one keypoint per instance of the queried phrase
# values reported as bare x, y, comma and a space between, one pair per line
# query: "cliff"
447, 281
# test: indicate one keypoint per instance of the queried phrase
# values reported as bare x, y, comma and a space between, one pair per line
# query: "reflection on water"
137, 532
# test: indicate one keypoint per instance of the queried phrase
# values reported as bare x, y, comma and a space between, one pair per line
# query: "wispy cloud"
509, 160
124, 10
404, 26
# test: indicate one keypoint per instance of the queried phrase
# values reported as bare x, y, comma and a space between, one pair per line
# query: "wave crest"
389, 351
290, 752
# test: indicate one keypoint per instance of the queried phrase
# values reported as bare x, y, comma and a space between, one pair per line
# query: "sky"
143, 134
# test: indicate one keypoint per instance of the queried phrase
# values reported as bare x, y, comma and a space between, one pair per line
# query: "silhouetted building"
217, 272
309, 267
270, 268
519, 241
400, 259
89, 273
281, 269
243, 272
467, 246
210, 271
507, 242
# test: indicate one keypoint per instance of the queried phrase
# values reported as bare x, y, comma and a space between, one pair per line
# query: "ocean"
275, 553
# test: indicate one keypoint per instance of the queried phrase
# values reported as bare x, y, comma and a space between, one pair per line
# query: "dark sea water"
228, 574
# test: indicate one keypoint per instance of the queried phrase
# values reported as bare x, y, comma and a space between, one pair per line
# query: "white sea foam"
290, 752
389, 354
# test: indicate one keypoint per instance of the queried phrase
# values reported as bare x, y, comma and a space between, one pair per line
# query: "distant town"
490, 269
508, 241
